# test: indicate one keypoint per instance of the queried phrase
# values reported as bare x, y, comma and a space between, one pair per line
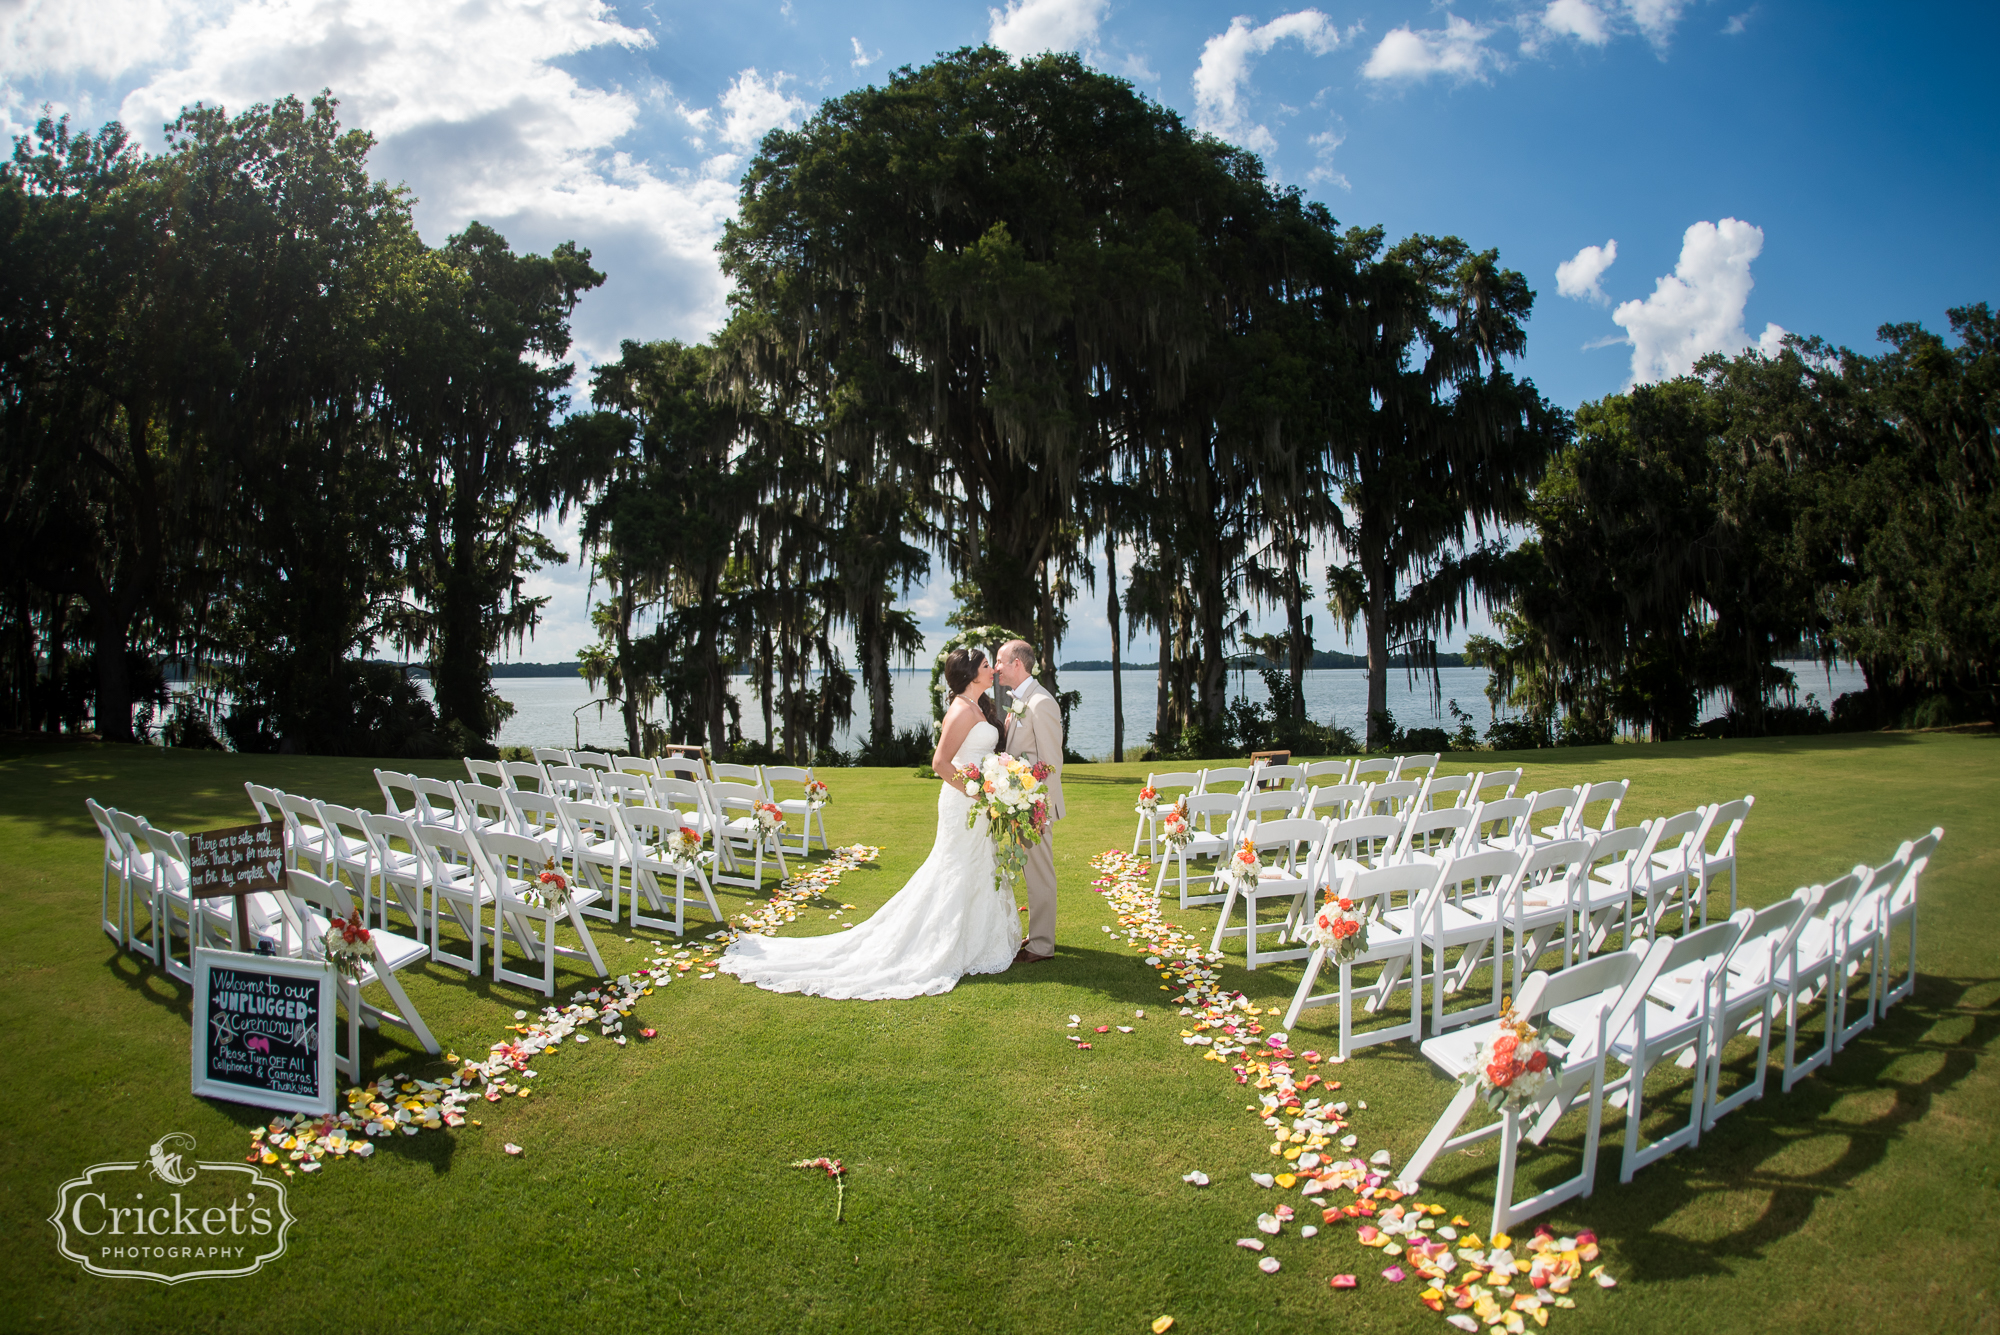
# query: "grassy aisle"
999, 1179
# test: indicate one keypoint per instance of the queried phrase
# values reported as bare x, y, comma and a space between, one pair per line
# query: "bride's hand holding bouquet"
1008, 792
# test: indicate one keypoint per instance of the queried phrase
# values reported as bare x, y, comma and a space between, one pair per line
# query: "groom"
1036, 737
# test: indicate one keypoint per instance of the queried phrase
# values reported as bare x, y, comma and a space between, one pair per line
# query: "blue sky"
1752, 167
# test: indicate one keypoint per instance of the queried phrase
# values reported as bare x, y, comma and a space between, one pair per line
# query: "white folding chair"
689, 797
1620, 864
481, 808
1210, 819
1671, 885
1280, 776
349, 851
265, 800
1809, 972
1434, 836
598, 760
599, 850
1339, 801
1485, 779
1270, 804
1417, 767
462, 884
1902, 912
646, 831
744, 775
1236, 774
1394, 944
400, 876
517, 863
1147, 830
1501, 823
1746, 1000
1291, 852
1381, 769
1679, 1031
317, 902
549, 755
1861, 943
174, 913
486, 772
1611, 793
1560, 800
1713, 850
799, 807
619, 789
112, 867
138, 860
1324, 771
514, 773
685, 768
1394, 797
539, 816
437, 803
735, 807
1361, 842
392, 783
636, 765
1445, 790
573, 783
305, 841
1600, 995
1483, 879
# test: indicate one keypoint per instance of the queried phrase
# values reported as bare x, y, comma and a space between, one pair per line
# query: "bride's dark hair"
961, 667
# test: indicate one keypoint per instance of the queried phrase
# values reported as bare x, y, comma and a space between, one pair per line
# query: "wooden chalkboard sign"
1269, 758
264, 1030
236, 861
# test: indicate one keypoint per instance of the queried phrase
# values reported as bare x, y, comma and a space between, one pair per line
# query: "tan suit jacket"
1039, 737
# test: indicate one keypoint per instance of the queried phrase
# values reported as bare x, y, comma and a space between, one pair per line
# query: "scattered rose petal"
1394, 1274
1309, 1231
1269, 1265
1268, 1223
511, 1148
1263, 1179
1251, 1244
1124, 1028
1163, 1324
1379, 1157
1348, 1282
1606, 1282
1349, 1142
1195, 1179
1462, 1321
1103, 1028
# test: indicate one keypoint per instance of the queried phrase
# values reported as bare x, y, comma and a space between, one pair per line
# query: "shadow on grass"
1829, 1121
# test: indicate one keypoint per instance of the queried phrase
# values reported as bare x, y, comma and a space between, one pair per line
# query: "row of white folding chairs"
1401, 808
1412, 790
1683, 999
152, 865
627, 779
612, 849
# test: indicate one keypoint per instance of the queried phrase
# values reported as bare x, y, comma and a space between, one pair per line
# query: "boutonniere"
1017, 708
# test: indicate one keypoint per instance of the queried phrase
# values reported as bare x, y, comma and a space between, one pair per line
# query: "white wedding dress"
946, 922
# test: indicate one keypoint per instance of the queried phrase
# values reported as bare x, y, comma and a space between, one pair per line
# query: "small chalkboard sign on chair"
264, 1030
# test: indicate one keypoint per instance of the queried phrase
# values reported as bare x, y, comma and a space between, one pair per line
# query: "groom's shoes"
1029, 957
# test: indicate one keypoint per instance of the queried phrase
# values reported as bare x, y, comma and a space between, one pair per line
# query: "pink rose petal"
1343, 1282
1269, 1265
1394, 1274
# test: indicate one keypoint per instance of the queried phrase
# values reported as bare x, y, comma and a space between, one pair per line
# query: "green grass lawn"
999, 1179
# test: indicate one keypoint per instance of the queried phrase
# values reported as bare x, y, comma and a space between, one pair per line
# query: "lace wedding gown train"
946, 922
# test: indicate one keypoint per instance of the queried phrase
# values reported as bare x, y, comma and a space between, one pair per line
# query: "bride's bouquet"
1009, 793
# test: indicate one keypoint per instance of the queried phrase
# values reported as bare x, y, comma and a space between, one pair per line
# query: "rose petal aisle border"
405, 1105
1226, 1026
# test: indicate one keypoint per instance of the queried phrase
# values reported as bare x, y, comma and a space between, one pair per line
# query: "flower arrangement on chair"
349, 947
549, 889
1243, 870
1176, 828
816, 795
682, 848
770, 819
1513, 1066
1149, 801
1340, 927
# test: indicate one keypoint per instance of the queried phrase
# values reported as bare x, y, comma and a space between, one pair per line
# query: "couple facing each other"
949, 919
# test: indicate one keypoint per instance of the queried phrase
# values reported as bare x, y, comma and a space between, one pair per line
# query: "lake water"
558, 711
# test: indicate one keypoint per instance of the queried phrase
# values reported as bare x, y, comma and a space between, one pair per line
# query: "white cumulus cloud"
1226, 61
1458, 49
1030, 27
755, 106
1697, 309
1656, 18
1578, 276
1576, 18
862, 60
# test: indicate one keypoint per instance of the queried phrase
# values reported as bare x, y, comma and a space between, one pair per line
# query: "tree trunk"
1117, 674
1214, 671
1378, 664
627, 678
1300, 646
764, 679
875, 674
458, 666
111, 619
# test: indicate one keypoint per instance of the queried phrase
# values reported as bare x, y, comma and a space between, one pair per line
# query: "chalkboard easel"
264, 1031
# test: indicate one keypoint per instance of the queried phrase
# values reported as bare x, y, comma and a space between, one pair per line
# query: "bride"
949, 920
